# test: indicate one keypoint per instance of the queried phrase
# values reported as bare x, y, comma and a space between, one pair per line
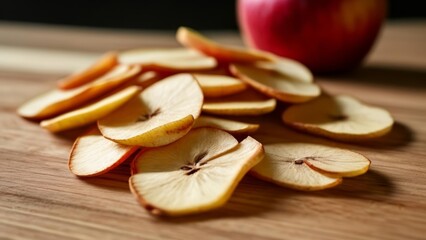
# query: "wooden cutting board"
41, 199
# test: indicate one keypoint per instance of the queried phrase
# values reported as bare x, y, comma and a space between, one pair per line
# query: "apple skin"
327, 36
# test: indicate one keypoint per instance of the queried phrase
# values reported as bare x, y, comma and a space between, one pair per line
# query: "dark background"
151, 14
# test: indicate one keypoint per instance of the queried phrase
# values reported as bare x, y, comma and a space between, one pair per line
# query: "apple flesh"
326, 36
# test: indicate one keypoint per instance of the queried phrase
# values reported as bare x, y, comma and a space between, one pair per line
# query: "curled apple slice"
219, 85
169, 60
222, 69
92, 154
99, 68
339, 117
148, 78
234, 127
195, 174
91, 113
59, 101
289, 68
308, 167
247, 103
276, 85
192, 39
161, 114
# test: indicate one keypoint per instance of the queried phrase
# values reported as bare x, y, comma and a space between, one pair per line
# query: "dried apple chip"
222, 69
276, 85
247, 103
308, 167
192, 39
234, 127
339, 117
93, 155
169, 60
289, 68
99, 68
150, 77
197, 173
59, 101
219, 85
159, 115
91, 113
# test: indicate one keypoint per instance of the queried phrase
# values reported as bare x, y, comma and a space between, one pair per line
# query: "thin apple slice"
150, 77
91, 113
99, 68
59, 101
93, 155
161, 114
308, 167
222, 69
169, 60
195, 174
287, 67
193, 39
333, 161
201, 143
339, 117
234, 127
276, 85
247, 103
219, 85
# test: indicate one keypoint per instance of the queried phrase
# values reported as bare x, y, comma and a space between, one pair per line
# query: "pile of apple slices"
162, 107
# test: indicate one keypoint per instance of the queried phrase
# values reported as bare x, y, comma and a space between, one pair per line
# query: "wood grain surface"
41, 199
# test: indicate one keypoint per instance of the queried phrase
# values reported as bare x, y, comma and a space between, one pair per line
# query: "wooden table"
41, 199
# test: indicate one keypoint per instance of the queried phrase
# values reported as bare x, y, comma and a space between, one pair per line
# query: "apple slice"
194, 174
291, 69
99, 68
93, 155
221, 69
308, 167
169, 60
59, 101
234, 127
161, 114
247, 103
148, 78
90, 113
339, 117
276, 85
219, 85
193, 39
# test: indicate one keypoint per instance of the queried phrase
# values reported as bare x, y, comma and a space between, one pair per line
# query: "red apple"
325, 35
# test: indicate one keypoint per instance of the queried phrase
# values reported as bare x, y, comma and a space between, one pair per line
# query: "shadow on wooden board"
385, 75
254, 197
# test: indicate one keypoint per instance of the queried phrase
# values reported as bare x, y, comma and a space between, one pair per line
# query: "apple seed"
148, 116
338, 117
194, 167
298, 161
